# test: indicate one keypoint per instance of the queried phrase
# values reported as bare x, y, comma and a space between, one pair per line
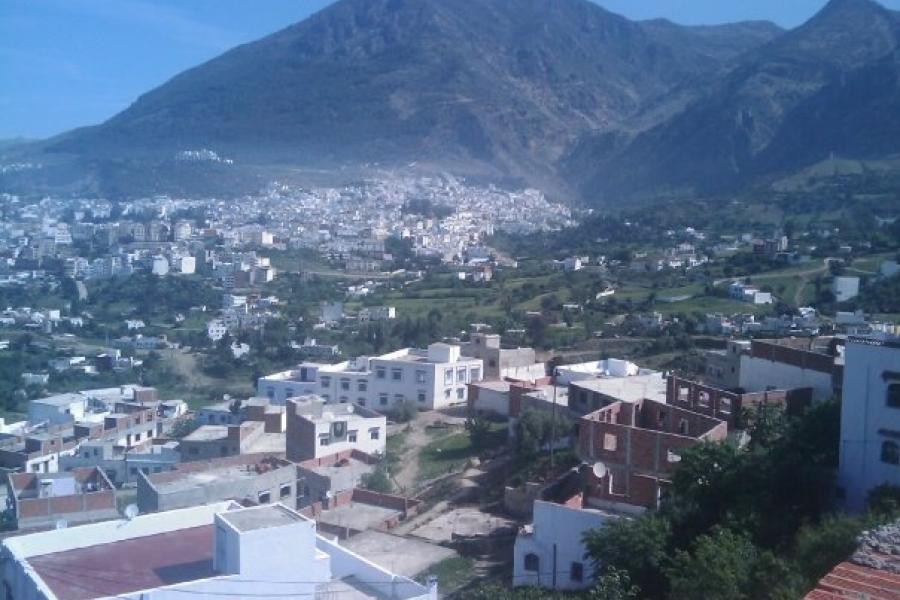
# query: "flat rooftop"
344, 476
199, 474
358, 515
127, 566
207, 433
262, 517
628, 389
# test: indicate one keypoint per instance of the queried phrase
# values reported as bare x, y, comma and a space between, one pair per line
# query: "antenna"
599, 470
131, 511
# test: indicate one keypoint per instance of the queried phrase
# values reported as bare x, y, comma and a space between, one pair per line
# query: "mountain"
829, 87
503, 88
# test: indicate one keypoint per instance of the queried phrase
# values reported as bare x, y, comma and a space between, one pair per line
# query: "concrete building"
316, 429
44, 501
870, 420
122, 466
549, 552
218, 441
634, 447
220, 550
845, 288
324, 481
611, 368
790, 364
220, 413
431, 379
499, 362
251, 479
588, 395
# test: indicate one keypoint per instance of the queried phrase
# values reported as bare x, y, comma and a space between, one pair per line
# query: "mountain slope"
498, 86
830, 86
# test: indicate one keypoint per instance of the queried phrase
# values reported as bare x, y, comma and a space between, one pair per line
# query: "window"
576, 572
270, 392
351, 437
137, 437
374, 433
492, 363
134, 471
397, 374
380, 372
382, 399
284, 491
461, 393
725, 405
461, 375
683, 426
264, 497
345, 384
583, 397
421, 396
683, 394
326, 382
362, 385
661, 418
703, 399
532, 562
398, 398
343, 399
890, 453
420, 376
448, 377
447, 392
893, 395
326, 397
289, 393
323, 440
475, 374
610, 442
361, 401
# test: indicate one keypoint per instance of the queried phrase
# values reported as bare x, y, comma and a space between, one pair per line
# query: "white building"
316, 429
608, 368
870, 419
160, 266
432, 378
185, 265
219, 550
845, 288
549, 553
216, 329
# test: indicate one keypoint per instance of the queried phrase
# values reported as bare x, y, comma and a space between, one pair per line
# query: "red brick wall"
792, 356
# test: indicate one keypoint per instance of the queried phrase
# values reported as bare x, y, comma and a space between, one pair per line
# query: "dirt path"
416, 438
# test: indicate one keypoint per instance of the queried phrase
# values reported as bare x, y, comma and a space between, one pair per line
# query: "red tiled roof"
128, 565
849, 580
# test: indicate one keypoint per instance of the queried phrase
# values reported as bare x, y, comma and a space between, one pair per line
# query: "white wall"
867, 421
363, 428
759, 374
559, 527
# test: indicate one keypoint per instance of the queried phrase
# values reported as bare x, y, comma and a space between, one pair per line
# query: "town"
380, 374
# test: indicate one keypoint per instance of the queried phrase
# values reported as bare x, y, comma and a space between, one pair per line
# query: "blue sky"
68, 63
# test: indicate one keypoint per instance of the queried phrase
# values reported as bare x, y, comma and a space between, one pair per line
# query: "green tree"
479, 430
820, 547
377, 481
638, 547
720, 567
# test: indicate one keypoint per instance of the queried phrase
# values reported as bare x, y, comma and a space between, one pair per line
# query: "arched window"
532, 562
890, 453
893, 395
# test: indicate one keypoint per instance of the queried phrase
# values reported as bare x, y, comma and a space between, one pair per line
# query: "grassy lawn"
711, 304
449, 453
452, 574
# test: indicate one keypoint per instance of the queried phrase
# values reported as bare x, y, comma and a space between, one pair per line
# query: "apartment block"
870, 420
431, 379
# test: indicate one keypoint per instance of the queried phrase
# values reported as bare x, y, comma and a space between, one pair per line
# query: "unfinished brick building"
635, 447
727, 406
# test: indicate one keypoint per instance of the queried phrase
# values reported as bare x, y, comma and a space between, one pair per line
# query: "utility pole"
553, 422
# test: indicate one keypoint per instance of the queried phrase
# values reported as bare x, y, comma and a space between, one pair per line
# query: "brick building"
78, 496
730, 406
635, 447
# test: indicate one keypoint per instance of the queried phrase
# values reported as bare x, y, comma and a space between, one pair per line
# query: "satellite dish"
131, 511
62, 524
599, 470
